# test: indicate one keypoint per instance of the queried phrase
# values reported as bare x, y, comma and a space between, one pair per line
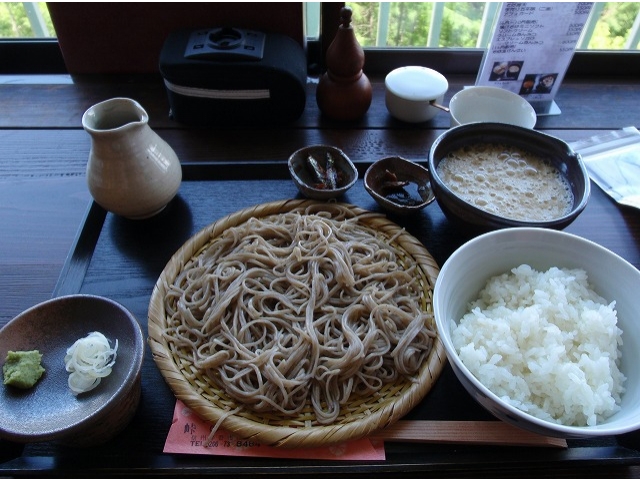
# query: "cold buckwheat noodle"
299, 309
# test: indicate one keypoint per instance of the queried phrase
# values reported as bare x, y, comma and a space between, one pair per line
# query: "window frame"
43, 56
467, 61
590, 63
31, 56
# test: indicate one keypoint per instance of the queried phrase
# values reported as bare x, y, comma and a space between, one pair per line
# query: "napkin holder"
232, 76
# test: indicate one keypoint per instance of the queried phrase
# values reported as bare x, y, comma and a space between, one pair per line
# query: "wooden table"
53, 240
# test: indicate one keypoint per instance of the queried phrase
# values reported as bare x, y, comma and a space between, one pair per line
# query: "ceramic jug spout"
131, 170
114, 114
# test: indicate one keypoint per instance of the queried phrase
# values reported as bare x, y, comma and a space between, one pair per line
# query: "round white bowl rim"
549, 427
481, 91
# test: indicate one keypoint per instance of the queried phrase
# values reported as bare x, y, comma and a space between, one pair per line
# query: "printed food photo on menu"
505, 70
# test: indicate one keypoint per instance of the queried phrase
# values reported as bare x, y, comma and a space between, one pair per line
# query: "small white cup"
410, 93
491, 104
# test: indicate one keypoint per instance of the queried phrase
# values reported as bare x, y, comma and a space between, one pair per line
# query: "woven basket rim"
243, 426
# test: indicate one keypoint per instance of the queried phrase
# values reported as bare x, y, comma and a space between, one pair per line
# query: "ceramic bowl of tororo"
494, 175
49, 410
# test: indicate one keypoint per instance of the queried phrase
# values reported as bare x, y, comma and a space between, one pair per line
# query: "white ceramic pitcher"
131, 171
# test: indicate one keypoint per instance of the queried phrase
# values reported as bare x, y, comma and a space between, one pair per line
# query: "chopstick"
464, 432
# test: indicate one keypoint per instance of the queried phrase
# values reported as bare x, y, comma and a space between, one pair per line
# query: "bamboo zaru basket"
360, 415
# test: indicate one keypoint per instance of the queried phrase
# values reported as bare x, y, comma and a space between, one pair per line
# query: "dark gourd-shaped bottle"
344, 91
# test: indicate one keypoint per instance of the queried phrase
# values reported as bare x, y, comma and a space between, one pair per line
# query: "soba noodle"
299, 309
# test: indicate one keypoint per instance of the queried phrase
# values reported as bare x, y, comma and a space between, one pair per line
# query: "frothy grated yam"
507, 181
546, 343
297, 310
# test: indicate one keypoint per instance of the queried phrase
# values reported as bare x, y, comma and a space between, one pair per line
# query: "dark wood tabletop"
55, 240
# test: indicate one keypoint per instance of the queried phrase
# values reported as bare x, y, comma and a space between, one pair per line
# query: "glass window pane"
25, 20
612, 26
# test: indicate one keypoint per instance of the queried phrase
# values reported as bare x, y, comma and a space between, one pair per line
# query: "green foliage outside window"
15, 21
614, 26
409, 24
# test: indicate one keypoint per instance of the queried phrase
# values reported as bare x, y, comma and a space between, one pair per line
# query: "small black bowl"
557, 152
401, 201
303, 176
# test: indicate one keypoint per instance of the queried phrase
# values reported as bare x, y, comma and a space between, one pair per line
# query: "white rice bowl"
545, 343
544, 350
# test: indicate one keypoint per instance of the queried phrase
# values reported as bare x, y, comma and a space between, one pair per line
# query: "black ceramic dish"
399, 185
306, 180
557, 152
49, 411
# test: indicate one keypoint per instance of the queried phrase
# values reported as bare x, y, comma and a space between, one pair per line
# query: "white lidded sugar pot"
131, 170
414, 94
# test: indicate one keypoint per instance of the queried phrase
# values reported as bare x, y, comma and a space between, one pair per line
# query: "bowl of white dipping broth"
494, 175
541, 328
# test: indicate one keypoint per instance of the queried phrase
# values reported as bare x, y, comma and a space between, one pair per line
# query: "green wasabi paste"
22, 369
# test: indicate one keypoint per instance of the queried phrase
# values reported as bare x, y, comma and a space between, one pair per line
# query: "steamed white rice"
545, 343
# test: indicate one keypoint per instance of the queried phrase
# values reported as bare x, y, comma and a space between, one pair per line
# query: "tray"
122, 259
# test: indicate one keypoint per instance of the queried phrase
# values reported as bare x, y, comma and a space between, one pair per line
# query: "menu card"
191, 435
531, 49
